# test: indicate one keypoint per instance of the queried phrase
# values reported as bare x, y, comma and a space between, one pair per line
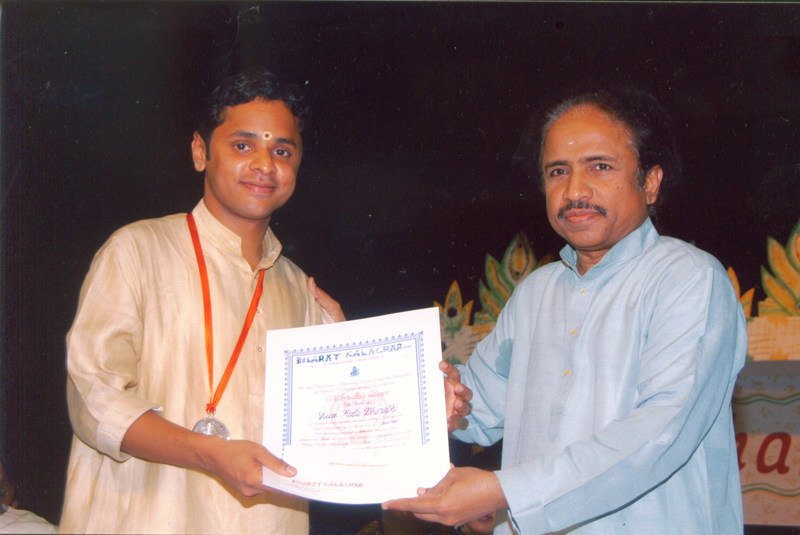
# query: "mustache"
580, 205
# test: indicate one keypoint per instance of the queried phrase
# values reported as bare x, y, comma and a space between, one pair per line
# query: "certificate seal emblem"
213, 427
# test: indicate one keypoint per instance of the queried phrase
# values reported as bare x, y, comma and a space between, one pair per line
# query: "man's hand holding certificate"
358, 408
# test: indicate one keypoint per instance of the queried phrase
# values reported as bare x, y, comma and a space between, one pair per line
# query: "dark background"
406, 182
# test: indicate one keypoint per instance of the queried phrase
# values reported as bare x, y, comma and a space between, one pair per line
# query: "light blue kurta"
612, 392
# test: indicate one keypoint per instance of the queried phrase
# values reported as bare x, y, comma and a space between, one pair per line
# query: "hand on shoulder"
328, 303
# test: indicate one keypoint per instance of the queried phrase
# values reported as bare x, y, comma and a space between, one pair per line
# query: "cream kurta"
137, 344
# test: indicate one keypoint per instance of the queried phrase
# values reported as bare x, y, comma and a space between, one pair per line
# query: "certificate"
357, 407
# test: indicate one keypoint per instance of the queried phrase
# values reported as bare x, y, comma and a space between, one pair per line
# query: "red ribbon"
216, 395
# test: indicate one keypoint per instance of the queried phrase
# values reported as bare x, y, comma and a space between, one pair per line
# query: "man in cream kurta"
137, 354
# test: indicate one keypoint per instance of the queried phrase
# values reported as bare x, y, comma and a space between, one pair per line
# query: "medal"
210, 425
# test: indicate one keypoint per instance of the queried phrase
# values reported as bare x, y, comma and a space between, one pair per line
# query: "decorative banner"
766, 408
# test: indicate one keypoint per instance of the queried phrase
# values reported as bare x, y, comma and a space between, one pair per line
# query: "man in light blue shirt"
609, 374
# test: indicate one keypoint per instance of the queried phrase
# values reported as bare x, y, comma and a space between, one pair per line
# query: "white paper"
357, 407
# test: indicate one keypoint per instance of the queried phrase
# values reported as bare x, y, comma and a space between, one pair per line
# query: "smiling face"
591, 182
251, 164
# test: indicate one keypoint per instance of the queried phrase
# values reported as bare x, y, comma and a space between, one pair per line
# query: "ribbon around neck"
216, 395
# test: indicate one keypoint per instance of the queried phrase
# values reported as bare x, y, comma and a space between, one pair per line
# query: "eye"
285, 153
603, 167
241, 146
558, 171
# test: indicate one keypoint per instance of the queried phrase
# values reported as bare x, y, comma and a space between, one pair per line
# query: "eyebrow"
598, 158
555, 163
585, 159
252, 135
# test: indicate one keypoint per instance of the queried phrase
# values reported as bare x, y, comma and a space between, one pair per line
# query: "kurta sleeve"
103, 350
691, 352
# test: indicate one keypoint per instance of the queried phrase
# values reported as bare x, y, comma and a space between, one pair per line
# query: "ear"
652, 182
199, 152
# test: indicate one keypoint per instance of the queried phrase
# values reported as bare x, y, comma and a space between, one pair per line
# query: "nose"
577, 187
262, 162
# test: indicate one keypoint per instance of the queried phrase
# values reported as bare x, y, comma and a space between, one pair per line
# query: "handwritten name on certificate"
357, 407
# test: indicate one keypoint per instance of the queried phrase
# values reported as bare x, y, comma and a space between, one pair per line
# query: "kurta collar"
213, 232
628, 247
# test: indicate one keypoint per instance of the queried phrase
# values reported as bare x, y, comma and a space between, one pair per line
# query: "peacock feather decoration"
458, 335
502, 277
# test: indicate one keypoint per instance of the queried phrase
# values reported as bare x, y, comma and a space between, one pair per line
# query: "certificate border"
290, 357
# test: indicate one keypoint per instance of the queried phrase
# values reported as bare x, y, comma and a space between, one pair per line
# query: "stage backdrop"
406, 182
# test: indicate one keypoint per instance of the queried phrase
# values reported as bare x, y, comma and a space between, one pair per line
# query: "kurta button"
572, 331
260, 349
567, 372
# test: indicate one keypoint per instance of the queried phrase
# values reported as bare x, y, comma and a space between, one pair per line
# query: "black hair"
245, 87
649, 125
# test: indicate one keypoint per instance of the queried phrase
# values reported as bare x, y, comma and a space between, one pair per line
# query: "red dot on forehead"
267, 135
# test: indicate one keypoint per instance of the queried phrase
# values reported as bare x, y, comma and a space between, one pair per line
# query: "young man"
169, 336
609, 374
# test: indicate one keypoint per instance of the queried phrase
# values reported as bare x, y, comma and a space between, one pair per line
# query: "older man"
609, 374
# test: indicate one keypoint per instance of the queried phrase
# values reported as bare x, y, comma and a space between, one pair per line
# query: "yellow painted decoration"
458, 337
491, 305
782, 286
769, 307
745, 300
778, 291
502, 277
782, 268
454, 314
793, 249
495, 282
519, 259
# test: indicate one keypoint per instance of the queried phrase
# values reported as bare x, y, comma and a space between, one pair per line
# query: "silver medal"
211, 426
